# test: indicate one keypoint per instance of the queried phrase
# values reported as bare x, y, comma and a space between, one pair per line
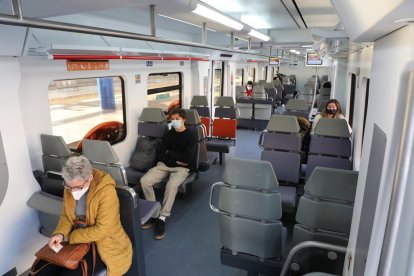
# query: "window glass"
252, 72
239, 77
217, 84
164, 90
90, 108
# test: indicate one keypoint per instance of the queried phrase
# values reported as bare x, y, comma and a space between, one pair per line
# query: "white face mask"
176, 123
249, 87
78, 194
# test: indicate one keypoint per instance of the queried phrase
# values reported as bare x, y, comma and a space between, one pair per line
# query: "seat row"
222, 127
249, 212
281, 141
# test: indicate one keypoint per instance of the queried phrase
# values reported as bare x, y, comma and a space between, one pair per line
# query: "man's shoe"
159, 229
149, 223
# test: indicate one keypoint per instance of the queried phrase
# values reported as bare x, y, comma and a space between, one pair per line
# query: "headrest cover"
192, 117
250, 173
199, 101
277, 82
152, 115
225, 101
54, 145
99, 151
240, 89
283, 123
295, 104
258, 89
325, 91
269, 85
332, 127
332, 183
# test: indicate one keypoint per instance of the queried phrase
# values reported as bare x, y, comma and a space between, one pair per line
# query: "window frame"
178, 87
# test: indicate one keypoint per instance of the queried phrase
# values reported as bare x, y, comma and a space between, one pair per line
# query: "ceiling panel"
318, 13
263, 14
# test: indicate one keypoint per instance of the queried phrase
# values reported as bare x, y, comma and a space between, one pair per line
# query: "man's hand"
181, 163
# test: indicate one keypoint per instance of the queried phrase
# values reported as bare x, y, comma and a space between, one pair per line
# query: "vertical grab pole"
17, 9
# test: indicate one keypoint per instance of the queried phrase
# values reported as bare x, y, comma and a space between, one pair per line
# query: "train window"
91, 108
164, 90
252, 73
217, 84
239, 77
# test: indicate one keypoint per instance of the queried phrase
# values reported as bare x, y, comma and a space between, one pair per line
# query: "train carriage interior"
276, 186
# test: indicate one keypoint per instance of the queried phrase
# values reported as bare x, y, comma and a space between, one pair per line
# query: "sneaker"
148, 224
159, 229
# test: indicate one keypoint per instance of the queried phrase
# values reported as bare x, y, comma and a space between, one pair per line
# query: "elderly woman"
90, 197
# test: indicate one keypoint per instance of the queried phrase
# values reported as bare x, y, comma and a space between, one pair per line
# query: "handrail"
307, 244
212, 207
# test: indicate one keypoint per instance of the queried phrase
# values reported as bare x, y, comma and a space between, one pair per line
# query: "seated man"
174, 159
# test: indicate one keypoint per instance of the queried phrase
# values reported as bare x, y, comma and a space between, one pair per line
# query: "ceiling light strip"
217, 17
185, 22
259, 35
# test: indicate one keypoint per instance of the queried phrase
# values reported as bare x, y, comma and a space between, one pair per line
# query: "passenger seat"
249, 212
224, 127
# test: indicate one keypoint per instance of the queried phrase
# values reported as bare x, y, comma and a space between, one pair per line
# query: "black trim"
290, 14
297, 8
222, 79
178, 87
164, 89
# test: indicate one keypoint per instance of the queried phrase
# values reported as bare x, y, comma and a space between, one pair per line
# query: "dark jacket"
177, 146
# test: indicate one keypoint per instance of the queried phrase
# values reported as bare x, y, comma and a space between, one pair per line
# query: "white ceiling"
288, 22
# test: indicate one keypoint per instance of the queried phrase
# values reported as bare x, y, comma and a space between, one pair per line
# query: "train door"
216, 81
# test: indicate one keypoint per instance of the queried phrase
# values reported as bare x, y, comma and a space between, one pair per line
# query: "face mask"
331, 111
249, 87
78, 194
176, 123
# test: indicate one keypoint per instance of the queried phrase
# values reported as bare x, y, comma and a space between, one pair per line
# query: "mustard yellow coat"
104, 222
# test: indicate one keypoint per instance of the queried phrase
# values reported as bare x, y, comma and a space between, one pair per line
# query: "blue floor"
192, 242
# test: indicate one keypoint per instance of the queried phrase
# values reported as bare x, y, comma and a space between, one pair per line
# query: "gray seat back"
325, 211
55, 152
200, 104
297, 107
281, 143
129, 211
249, 211
330, 146
103, 157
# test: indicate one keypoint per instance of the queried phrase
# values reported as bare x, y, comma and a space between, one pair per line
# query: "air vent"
226, 55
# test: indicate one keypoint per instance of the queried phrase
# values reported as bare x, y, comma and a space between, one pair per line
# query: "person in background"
90, 213
249, 89
174, 159
332, 110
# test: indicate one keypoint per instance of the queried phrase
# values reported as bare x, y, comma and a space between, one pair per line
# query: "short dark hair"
179, 111
250, 83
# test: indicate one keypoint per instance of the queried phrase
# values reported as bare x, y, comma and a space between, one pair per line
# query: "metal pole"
204, 33
152, 16
17, 9
74, 28
249, 45
231, 40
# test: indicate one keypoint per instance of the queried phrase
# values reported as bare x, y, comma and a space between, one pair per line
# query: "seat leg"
221, 157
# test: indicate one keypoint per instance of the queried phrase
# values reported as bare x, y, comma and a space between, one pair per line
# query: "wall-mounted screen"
313, 59
274, 61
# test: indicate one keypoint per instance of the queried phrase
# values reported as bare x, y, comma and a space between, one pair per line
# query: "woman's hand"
55, 240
